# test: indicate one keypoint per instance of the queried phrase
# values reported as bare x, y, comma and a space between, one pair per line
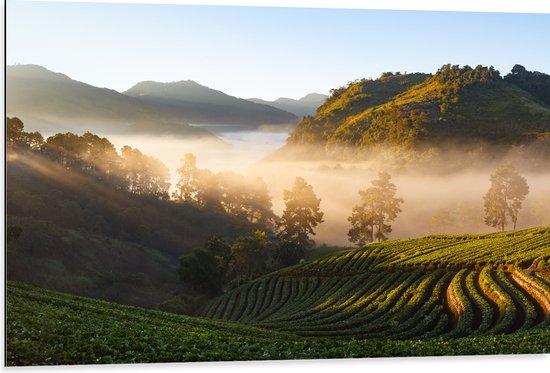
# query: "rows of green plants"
526, 248
398, 304
50, 328
397, 290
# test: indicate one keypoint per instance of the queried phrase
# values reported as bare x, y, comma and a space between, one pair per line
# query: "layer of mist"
435, 202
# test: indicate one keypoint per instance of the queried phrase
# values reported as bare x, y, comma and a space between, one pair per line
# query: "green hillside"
351, 100
464, 106
437, 286
50, 328
87, 234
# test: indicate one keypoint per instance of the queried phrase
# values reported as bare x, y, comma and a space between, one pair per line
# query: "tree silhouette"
369, 220
505, 196
302, 213
199, 187
145, 175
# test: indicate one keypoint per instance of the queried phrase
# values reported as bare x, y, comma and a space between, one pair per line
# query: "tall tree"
379, 206
505, 196
14, 131
199, 187
186, 188
302, 213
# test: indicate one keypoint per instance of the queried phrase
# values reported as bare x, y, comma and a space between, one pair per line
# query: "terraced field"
49, 328
437, 286
441, 295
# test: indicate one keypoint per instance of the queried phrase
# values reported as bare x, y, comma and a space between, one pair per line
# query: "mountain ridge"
51, 102
301, 107
203, 105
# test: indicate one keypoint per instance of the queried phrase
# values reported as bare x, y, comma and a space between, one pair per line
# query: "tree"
249, 255
221, 251
246, 197
289, 252
379, 206
200, 269
14, 131
505, 196
199, 187
17, 137
302, 213
186, 189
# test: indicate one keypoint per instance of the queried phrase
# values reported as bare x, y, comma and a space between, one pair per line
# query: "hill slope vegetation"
437, 286
465, 107
49, 328
98, 224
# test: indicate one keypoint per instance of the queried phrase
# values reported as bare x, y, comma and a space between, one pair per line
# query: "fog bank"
433, 203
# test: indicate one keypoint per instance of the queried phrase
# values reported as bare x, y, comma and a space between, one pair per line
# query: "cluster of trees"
209, 268
390, 124
379, 206
227, 191
95, 157
534, 82
216, 264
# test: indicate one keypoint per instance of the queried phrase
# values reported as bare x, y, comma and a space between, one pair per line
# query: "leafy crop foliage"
50, 328
436, 286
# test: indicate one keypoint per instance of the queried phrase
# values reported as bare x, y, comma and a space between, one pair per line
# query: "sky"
260, 51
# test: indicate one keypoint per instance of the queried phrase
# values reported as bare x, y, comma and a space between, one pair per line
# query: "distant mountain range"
307, 105
52, 102
203, 105
457, 106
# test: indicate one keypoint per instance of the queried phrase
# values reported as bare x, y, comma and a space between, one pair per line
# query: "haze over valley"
167, 124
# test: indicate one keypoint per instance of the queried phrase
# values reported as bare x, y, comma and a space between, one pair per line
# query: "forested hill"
86, 219
456, 105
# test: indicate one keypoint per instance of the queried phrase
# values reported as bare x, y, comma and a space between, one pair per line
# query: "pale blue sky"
263, 52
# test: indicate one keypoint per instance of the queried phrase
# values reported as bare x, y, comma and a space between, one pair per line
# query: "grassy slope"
49, 328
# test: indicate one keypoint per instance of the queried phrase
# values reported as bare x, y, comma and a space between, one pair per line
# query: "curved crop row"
448, 286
